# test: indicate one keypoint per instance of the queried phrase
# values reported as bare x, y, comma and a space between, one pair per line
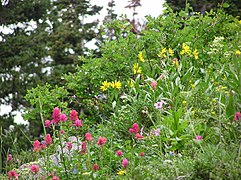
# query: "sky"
149, 7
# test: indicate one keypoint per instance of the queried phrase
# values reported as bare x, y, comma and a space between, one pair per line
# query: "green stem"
41, 116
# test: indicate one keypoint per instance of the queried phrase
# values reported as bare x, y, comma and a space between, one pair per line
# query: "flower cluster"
137, 69
186, 50
114, 84
164, 53
135, 130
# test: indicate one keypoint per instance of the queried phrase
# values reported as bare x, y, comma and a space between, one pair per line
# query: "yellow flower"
171, 52
195, 54
237, 52
131, 84
121, 172
185, 49
162, 53
175, 62
105, 85
116, 84
239, 21
140, 57
136, 69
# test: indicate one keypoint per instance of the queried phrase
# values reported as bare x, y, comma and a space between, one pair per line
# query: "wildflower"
56, 115
175, 62
237, 116
78, 123
162, 53
125, 163
119, 153
237, 52
47, 123
54, 178
142, 154
131, 84
157, 132
48, 139
95, 167
62, 131
73, 115
138, 136
153, 84
185, 49
83, 148
105, 85
136, 69
88, 137
198, 138
121, 172
12, 174
10, 158
184, 103
171, 52
43, 145
69, 145
34, 168
239, 21
140, 57
195, 54
63, 117
158, 105
101, 141
116, 84
134, 129
36, 146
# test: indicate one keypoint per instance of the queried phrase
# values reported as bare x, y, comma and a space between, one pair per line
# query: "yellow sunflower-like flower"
237, 52
136, 69
105, 85
171, 52
162, 53
121, 172
140, 57
195, 54
185, 49
116, 84
239, 21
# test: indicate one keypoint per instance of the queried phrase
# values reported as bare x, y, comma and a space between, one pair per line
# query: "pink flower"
78, 123
69, 145
63, 117
10, 158
88, 137
119, 153
48, 139
36, 145
34, 168
47, 123
134, 129
101, 141
159, 104
54, 178
95, 167
83, 148
12, 174
237, 116
157, 132
153, 84
142, 154
43, 146
62, 131
56, 115
73, 115
125, 163
138, 136
198, 138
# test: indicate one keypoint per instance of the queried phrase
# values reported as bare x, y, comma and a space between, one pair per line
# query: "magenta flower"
125, 163
62, 131
83, 148
54, 178
34, 168
237, 116
10, 158
119, 153
47, 123
63, 117
12, 174
88, 137
138, 136
78, 123
95, 167
134, 129
36, 145
101, 141
69, 145
158, 105
153, 84
198, 138
142, 154
56, 115
48, 139
73, 115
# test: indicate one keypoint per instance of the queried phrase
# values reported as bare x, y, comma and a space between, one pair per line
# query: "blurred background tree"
232, 7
